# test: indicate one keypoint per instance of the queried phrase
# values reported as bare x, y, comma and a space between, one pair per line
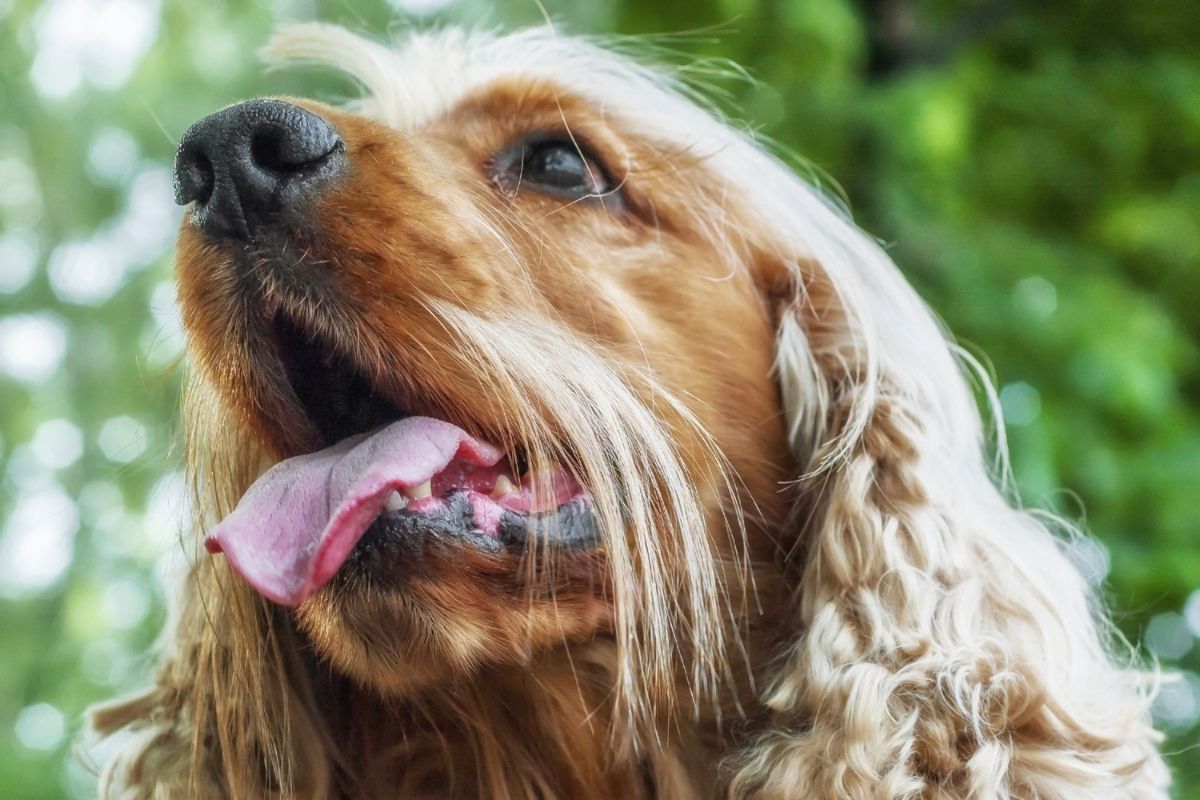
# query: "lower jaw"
457, 615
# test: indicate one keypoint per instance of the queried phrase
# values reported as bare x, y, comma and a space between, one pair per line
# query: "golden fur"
808, 584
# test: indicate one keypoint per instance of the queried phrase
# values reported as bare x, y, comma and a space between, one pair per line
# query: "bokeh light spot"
86, 272
18, 259
112, 156
38, 541
26, 472
122, 439
19, 188
1167, 636
1037, 296
1177, 706
32, 346
126, 603
151, 218
1020, 402
57, 443
1191, 612
40, 726
105, 661
100, 498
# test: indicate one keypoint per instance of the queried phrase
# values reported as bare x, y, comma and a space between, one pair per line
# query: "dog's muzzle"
254, 165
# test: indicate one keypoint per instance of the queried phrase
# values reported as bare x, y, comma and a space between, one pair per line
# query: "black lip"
395, 544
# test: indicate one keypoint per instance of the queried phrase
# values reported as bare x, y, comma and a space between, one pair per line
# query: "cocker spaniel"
551, 439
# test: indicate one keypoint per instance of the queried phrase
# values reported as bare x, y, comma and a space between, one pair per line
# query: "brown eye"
558, 167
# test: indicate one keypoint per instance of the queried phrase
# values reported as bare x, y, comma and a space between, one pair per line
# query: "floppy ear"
943, 645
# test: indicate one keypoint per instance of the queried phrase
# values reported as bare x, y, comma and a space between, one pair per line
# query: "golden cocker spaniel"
551, 439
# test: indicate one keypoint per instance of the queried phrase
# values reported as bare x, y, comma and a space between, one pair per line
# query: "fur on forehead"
426, 73
761, 204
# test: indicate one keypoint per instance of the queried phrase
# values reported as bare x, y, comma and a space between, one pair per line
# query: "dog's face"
505, 372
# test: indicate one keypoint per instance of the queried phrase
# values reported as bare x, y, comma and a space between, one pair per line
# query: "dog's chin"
459, 610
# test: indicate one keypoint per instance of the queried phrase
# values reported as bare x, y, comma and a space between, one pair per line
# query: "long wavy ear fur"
946, 647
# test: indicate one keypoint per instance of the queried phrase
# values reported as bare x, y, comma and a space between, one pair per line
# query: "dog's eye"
558, 167
562, 167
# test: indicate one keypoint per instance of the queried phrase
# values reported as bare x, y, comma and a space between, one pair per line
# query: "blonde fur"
926, 640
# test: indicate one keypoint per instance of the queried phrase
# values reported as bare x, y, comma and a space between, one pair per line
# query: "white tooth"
395, 502
419, 492
504, 485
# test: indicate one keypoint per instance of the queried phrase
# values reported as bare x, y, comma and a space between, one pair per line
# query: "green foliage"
1033, 168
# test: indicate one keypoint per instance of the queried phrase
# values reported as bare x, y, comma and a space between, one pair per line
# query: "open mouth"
383, 481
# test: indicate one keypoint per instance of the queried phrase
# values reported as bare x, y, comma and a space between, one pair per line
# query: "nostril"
266, 150
194, 178
291, 149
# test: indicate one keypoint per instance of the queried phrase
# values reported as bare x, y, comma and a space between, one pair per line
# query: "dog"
548, 438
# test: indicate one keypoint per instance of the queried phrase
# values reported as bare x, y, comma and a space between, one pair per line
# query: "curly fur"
810, 584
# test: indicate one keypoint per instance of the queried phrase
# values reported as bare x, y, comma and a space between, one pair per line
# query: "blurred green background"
1033, 166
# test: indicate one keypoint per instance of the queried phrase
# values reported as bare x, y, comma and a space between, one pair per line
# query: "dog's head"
527, 371
503, 333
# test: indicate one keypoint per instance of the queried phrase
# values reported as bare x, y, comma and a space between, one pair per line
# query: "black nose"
254, 165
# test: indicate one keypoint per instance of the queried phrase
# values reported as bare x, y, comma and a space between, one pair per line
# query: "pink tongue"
298, 523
